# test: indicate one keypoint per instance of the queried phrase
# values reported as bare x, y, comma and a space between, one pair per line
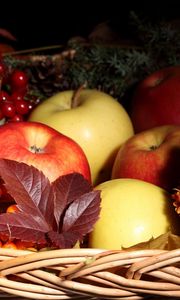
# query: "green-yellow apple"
97, 122
156, 100
43, 147
132, 211
152, 155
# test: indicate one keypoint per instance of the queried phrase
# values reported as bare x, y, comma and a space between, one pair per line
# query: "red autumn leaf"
67, 190
24, 226
30, 188
58, 240
78, 219
81, 213
58, 213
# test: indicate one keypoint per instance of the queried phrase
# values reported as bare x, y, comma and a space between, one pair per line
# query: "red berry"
4, 96
19, 80
16, 96
30, 105
8, 109
22, 107
9, 245
16, 118
25, 245
12, 208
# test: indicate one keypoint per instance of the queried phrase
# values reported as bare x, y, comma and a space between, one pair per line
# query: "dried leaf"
166, 241
173, 241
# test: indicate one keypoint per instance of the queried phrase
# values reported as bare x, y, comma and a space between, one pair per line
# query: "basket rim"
88, 273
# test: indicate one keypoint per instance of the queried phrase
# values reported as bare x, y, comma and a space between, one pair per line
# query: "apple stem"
75, 98
35, 149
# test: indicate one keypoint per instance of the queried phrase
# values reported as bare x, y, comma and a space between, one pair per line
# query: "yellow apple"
97, 122
132, 211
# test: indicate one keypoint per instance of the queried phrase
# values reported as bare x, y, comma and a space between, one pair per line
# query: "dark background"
39, 24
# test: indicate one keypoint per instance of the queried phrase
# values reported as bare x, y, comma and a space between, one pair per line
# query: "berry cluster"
15, 99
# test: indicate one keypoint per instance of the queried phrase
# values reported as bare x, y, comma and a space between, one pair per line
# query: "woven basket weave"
90, 274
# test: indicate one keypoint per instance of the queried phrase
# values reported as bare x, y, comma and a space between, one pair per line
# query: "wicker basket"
90, 274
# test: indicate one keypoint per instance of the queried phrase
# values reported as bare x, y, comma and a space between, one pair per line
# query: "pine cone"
47, 73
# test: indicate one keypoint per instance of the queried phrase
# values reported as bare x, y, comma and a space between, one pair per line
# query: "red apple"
156, 100
43, 147
152, 155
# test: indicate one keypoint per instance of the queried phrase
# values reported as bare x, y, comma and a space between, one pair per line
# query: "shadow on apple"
169, 175
172, 216
105, 173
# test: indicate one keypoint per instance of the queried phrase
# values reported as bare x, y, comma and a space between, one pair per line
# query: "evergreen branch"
113, 69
